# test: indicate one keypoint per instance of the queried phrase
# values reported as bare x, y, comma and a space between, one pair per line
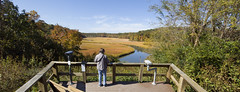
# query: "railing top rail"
118, 64
32, 81
191, 82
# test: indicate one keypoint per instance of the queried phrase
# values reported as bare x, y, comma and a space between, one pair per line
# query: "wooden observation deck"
172, 76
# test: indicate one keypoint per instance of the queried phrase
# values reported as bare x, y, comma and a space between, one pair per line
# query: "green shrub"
214, 64
13, 74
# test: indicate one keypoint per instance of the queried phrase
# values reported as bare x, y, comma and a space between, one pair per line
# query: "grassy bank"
113, 46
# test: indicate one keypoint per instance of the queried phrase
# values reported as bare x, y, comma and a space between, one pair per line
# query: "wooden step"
59, 88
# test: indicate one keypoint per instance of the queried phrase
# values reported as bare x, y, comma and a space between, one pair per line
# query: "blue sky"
95, 16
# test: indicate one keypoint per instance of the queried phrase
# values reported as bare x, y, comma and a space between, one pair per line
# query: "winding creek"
136, 57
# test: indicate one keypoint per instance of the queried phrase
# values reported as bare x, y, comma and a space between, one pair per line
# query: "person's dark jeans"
100, 74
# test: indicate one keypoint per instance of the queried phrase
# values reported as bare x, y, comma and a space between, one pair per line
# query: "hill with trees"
28, 43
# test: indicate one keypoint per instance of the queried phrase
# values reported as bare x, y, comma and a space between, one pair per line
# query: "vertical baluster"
182, 85
169, 73
55, 72
113, 73
84, 67
42, 84
140, 73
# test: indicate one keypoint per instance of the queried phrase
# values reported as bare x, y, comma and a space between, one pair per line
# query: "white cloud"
110, 24
101, 19
124, 19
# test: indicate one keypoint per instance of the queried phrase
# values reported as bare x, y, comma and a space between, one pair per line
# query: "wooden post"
140, 73
55, 72
169, 73
84, 75
182, 85
113, 73
42, 84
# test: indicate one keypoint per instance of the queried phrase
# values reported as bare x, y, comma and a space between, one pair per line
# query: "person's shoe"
99, 86
104, 85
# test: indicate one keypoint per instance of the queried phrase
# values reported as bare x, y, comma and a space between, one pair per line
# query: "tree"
199, 14
20, 37
68, 38
226, 15
33, 16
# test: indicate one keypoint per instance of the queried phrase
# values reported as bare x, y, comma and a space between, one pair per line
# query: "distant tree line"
143, 35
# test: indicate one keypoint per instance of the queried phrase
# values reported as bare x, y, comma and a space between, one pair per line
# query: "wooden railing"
184, 80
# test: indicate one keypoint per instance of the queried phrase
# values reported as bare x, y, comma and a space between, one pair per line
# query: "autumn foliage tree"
71, 39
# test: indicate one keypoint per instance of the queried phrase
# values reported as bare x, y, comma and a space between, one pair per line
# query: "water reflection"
136, 57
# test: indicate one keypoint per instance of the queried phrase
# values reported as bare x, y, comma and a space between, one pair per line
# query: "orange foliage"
68, 38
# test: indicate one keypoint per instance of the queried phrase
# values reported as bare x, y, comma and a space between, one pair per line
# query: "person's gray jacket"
101, 64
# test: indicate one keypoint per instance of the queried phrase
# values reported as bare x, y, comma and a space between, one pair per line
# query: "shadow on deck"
120, 87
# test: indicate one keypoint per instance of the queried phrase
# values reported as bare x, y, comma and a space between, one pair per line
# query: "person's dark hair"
102, 50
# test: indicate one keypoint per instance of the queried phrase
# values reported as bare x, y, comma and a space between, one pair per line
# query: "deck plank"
121, 87
129, 87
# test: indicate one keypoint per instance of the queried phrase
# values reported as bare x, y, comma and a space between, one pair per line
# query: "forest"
201, 37
28, 44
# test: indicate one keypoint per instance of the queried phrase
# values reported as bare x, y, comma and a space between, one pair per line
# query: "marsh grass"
113, 46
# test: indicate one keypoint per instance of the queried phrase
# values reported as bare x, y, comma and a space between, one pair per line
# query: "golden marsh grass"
112, 46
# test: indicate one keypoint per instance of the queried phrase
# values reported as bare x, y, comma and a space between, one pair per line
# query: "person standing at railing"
102, 62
